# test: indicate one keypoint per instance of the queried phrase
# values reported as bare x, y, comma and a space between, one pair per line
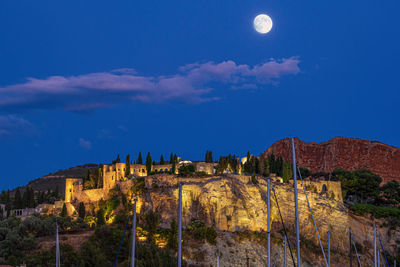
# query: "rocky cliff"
235, 205
340, 152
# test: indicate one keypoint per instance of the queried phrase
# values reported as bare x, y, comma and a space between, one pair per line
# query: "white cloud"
86, 144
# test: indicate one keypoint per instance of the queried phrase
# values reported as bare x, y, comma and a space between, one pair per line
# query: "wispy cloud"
12, 124
193, 83
86, 144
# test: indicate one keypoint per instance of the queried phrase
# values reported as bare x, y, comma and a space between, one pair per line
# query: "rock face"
340, 152
233, 204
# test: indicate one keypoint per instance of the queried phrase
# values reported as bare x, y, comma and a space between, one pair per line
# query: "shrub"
199, 231
254, 180
186, 170
100, 218
376, 211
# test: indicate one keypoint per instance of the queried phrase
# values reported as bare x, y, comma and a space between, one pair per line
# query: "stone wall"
329, 188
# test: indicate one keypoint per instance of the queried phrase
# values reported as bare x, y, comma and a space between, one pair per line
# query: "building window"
70, 190
142, 170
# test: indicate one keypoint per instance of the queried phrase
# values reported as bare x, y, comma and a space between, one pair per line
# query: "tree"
81, 210
64, 211
271, 160
162, 162
209, 158
152, 221
174, 165
391, 193
173, 235
149, 163
117, 160
56, 193
171, 158
139, 159
128, 165
361, 183
287, 172
18, 204
279, 166
99, 178
100, 218
186, 170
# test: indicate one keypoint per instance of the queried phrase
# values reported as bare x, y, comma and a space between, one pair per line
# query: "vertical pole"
394, 263
296, 203
329, 249
269, 220
57, 248
284, 254
375, 256
134, 233
350, 250
379, 259
218, 259
180, 227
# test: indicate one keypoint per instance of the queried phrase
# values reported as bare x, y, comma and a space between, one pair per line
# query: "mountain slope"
341, 152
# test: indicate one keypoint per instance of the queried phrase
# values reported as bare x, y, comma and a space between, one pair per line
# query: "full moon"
262, 23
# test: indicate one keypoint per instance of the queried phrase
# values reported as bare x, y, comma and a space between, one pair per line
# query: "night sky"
83, 81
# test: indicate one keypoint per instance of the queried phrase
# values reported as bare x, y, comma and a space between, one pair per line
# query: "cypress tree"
99, 178
174, 161
173, 235
139, 159
25, 198
86, 177
171, 158
8, 199
64, 211
279, 166
18, 204
31, 198
128, 165
162, 162
287, 172
209, 158
149, 163
100, 218
266, 170
56, 193
81, 210
272, 165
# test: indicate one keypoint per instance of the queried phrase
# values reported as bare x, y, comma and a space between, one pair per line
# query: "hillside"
341, 152
57, 179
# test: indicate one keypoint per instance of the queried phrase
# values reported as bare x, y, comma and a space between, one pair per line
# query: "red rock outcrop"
341, 152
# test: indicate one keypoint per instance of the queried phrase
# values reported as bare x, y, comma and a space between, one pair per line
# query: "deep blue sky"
344, 81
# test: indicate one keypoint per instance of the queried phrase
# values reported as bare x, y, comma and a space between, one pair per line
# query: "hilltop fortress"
115, 174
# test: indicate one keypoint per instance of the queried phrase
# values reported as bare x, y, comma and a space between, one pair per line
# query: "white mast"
57, 248
296, 204
180, 227
269, 220
133, 233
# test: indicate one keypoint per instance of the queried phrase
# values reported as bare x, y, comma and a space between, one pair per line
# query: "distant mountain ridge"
342, 152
